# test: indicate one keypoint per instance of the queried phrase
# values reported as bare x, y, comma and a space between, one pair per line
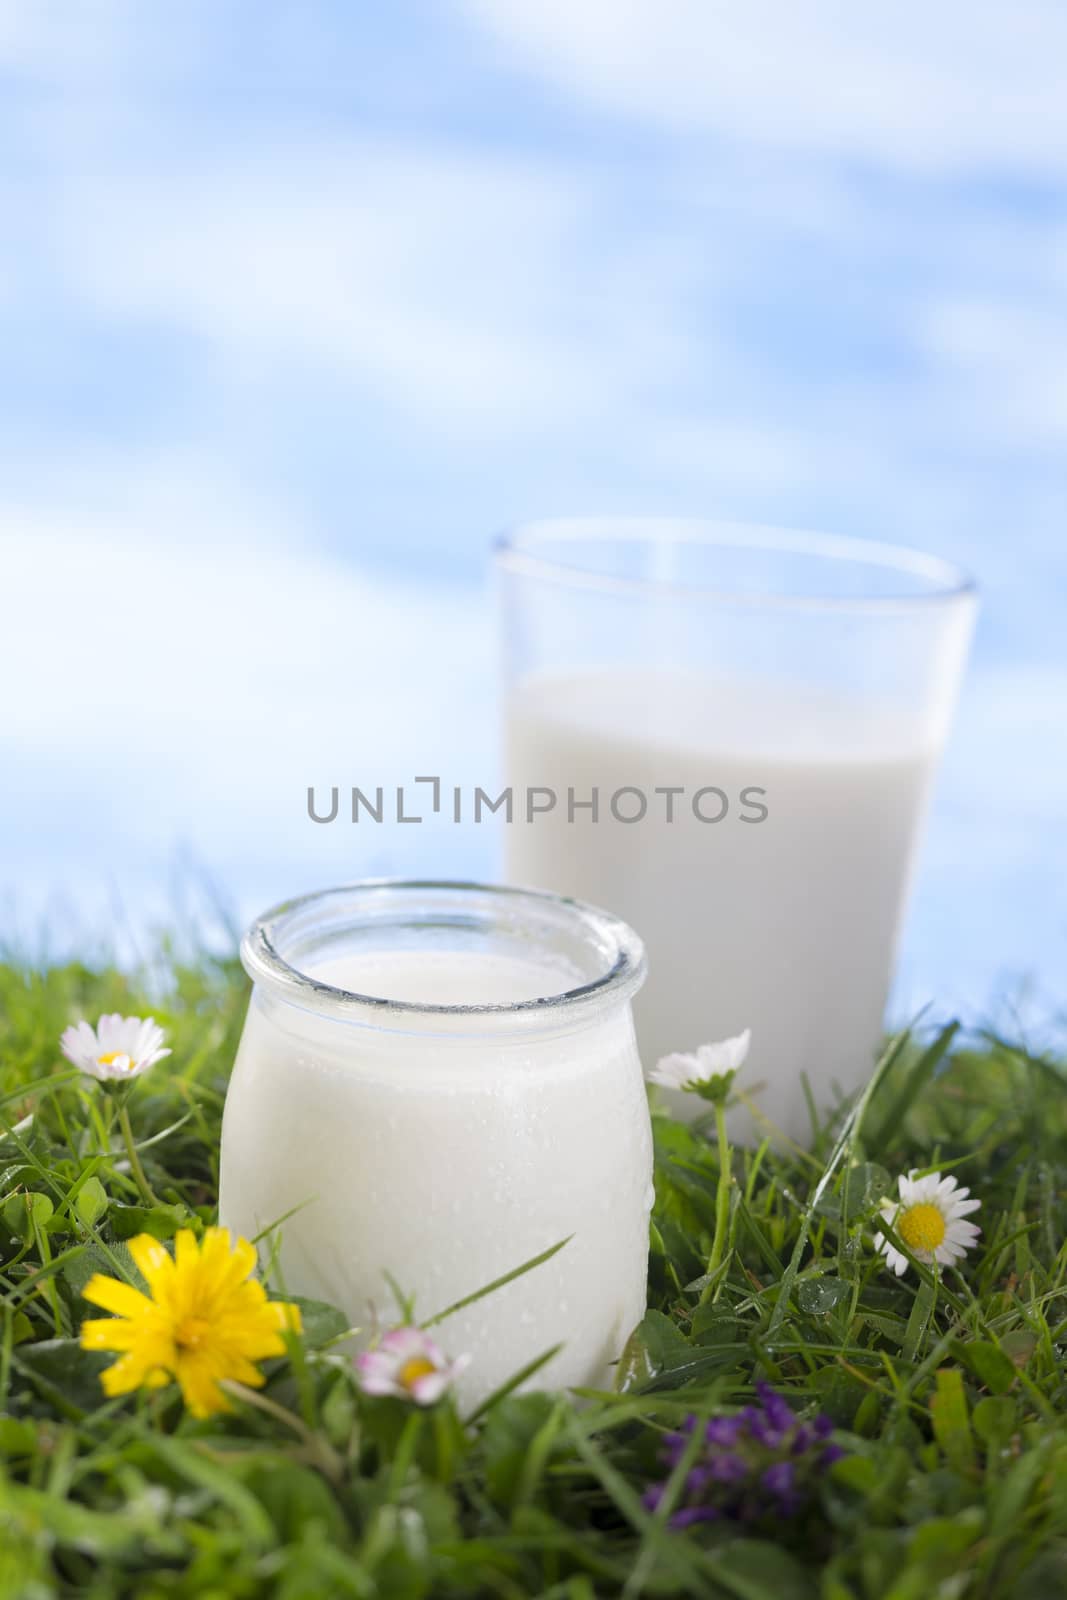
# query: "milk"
788, 923
447, 1158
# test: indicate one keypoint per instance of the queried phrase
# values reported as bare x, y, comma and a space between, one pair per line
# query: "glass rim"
265, 964
517, 550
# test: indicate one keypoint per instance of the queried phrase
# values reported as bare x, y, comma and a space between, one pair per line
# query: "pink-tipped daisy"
407, 1364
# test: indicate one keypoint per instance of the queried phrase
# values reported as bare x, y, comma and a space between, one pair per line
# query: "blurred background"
301, 303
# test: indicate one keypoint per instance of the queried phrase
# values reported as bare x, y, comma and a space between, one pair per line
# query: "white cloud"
192, 654
185, 498
492, 297
105, 47
435, 278
478, 297
45, 40
181, 664
950, 87
1012, 351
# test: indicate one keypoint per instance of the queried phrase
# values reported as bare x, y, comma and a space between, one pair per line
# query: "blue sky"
300, 303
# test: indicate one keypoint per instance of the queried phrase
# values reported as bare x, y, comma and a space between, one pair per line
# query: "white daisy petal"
675, 1071
149, 1038
107, 1030
725, 1056
76, 1047
86, 1036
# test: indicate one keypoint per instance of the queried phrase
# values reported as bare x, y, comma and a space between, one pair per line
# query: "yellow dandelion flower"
204, 1319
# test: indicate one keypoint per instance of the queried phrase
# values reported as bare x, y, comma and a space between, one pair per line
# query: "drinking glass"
727, 735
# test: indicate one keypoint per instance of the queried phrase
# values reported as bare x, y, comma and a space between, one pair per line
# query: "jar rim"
538, 549
621, 948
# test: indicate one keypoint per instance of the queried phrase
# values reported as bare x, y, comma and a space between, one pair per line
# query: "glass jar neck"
390, 954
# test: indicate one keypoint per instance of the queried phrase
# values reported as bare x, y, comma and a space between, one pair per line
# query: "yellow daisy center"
418, 1367
922, 1227
114, 1055
191, 1332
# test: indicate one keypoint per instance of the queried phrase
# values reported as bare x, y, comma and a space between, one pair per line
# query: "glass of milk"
437, 1082
727, 735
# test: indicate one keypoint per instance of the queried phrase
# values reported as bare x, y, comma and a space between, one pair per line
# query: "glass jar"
730, 734
435, 1083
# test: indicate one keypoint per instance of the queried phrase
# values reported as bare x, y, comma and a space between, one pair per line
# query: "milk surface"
446, 1160
787, 925
442, 978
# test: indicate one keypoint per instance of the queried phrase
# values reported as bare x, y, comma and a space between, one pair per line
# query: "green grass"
948, 1392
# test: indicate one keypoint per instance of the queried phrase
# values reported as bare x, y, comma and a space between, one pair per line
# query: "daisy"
929, 1217
203, 1320
408, 1364
707, 1071
117, 1050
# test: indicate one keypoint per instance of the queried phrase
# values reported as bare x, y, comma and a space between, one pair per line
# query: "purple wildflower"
780, 1481
728, 1469
779, 1478
756, 1464
685, 1519
724, 1430
778, 1411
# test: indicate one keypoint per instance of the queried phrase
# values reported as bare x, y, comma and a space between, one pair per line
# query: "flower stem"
722, 1198
135, 1160
50, 1283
